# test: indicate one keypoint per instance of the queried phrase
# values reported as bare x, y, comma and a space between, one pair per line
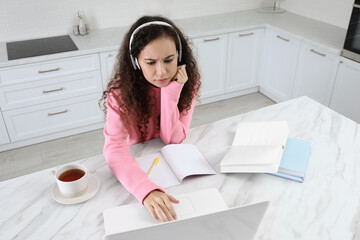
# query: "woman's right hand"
160, 206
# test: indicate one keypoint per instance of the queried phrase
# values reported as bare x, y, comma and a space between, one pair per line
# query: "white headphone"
134, 60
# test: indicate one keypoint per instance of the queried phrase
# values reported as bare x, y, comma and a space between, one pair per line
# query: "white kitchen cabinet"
45, 99
107, 61
244, 49
315, 73
50, 69
48, 90
44, 119
211, 52
345, 98
4, 138
279, 65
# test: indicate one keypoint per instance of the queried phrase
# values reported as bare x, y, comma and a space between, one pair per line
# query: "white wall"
334, 12
26, 19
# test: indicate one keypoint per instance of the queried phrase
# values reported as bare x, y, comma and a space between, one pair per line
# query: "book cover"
294, 160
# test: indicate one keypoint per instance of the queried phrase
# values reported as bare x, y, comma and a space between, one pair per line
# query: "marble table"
325, 206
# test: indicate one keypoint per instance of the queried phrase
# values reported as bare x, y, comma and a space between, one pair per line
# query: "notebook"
204, 215
257, 147
177, 161
295, 160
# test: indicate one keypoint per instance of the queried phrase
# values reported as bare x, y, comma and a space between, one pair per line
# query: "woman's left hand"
181, 75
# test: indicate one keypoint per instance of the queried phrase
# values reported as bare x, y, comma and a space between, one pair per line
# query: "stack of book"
264, 147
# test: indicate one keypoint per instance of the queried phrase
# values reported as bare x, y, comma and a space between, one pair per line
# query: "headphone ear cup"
137, 64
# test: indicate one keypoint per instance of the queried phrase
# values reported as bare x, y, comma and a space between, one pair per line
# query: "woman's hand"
159, 206
181, 75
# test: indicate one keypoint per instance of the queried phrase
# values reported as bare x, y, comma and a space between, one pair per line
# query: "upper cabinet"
211, 55
280, 58
315, 74
244, 51
345, 97
107, 61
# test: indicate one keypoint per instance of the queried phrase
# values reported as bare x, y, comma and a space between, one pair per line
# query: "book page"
186, 160
244, 155
262, 133
261, 159
162, 174
257, 147
135, 216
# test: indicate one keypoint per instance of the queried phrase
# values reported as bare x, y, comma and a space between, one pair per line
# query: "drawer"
48, 90
53, 117
48, 69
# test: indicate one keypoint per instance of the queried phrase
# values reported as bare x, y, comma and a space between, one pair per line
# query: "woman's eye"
168, 61
150, 63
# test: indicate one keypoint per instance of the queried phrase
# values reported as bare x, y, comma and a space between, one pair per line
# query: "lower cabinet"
279, 65
229, 63
345, 97
244, 51
107, 61
48, 99
4, 138
315, 74
211, 55
43, 119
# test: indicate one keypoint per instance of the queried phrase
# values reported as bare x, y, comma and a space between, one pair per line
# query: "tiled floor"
36, 157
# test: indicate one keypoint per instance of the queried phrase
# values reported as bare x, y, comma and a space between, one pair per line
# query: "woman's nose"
160, 68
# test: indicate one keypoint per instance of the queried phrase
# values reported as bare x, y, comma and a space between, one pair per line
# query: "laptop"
204, 222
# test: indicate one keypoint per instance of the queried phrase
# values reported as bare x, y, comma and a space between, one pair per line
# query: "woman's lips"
162, 80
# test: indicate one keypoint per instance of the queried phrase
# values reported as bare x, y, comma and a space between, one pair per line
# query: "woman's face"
158, 61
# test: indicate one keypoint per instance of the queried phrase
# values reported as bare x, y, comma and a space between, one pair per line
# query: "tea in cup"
72, 180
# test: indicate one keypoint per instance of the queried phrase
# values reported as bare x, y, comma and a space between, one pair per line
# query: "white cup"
70, 185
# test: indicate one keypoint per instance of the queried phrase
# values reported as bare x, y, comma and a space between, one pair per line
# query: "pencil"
155, 162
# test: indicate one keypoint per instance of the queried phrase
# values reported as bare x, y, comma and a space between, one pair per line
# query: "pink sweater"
174, 127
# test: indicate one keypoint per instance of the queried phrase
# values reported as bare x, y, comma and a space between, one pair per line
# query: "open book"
257, 147
177, 161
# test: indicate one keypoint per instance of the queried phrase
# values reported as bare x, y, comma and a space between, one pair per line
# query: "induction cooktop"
39, 47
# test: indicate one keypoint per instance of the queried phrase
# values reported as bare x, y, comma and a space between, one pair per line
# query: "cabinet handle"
280, 37
53, 90
356, 5
247, 34
212, 39
316, 52
110, 55
50, 70
341, 61
55, 113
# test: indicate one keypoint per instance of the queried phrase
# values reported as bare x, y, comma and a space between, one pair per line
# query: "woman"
152, 95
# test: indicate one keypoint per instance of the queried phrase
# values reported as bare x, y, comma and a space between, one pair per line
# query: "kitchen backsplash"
26, 19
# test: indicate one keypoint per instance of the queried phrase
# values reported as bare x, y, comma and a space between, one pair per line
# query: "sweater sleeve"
117, 154
174, 125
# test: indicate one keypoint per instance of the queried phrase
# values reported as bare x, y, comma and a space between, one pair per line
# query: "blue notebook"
294, 160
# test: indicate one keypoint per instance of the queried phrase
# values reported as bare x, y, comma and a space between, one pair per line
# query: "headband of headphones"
134, 60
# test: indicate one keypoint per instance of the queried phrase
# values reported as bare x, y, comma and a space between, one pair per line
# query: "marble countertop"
325, 35
325, 206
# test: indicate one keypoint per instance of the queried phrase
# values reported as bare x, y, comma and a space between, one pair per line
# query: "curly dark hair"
134, 88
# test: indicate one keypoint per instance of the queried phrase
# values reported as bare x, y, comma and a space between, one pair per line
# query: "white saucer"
92, 189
